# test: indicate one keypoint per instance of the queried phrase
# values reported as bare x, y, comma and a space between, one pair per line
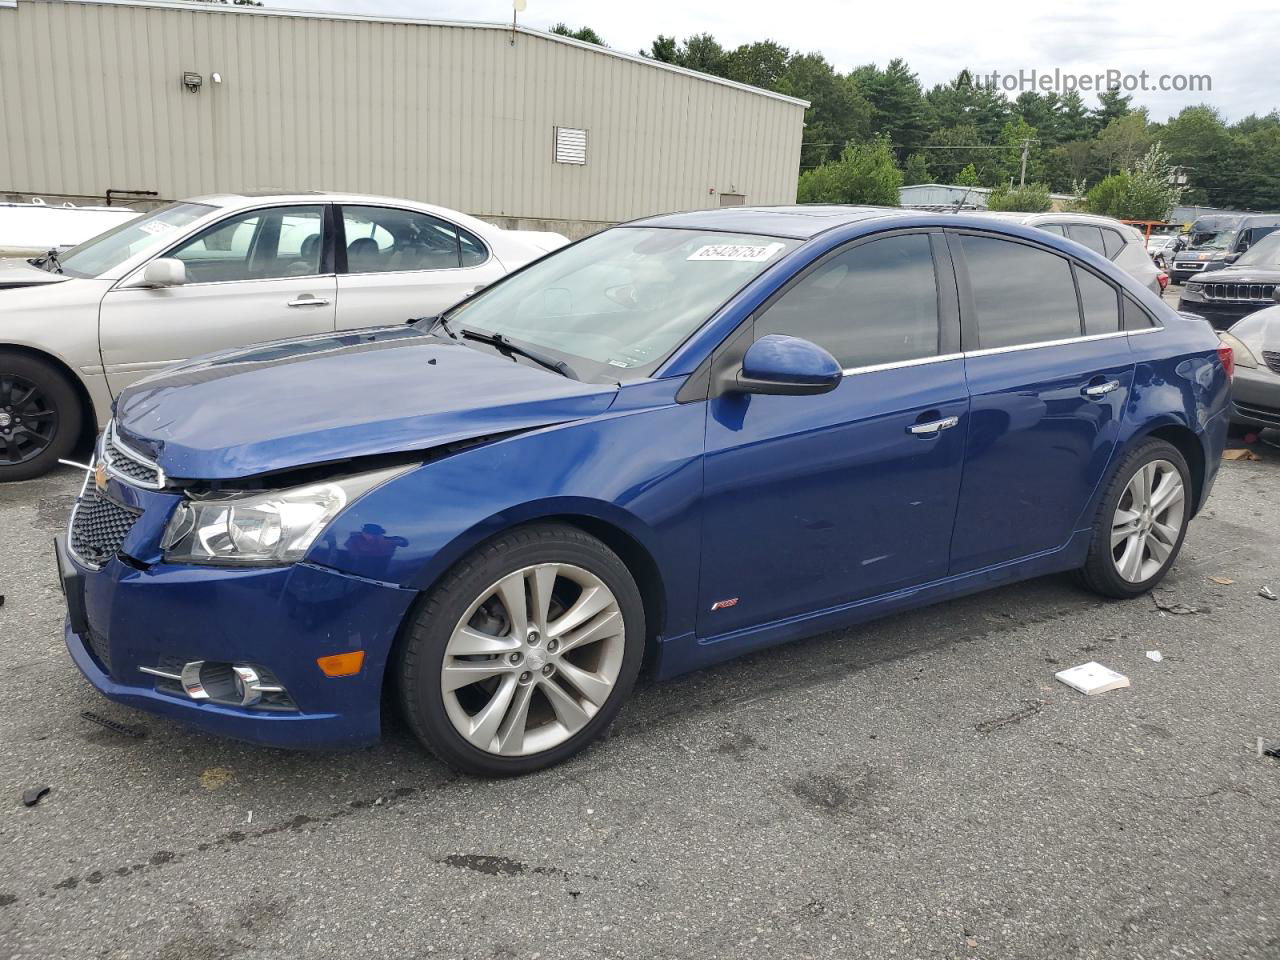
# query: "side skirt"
677, 655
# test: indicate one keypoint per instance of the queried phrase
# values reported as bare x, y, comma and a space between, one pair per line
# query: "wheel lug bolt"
548, 670
516, 658
526, 677
552, 646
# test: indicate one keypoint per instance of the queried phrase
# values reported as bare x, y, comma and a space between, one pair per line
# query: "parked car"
1255, 391
33, 229
677, 440
1226, 295
201, 275
1211, 250
1161, 248
1118, 242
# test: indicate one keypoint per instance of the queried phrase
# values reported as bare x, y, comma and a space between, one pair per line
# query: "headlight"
1244, 358
1193, 286
271, 527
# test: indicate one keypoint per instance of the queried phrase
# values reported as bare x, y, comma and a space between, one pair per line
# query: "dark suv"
1217, 242
1248, 284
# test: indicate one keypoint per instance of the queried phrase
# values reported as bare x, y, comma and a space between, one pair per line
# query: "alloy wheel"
28, 420
533, 659
1147, 521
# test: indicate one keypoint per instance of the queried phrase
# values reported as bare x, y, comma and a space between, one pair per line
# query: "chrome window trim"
992, 351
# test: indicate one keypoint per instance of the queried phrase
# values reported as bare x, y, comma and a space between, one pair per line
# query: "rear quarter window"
1021, 294
1135, 317
1112, 242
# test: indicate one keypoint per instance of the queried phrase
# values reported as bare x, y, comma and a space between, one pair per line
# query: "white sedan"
216, 272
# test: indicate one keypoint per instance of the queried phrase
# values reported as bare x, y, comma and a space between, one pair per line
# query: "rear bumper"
121, 618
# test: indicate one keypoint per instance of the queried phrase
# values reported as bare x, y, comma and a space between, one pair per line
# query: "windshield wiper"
438, 322
504, 344
48, 262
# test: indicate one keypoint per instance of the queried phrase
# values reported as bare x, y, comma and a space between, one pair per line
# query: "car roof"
255, 198
799, 221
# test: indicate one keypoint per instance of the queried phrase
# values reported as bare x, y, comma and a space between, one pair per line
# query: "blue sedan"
671, 443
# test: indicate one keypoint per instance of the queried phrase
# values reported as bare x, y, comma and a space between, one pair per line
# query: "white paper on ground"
1155, 655
1091, 678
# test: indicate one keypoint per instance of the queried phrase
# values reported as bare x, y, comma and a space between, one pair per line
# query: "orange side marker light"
341, 664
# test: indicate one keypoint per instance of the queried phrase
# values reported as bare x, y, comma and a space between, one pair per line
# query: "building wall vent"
571, 145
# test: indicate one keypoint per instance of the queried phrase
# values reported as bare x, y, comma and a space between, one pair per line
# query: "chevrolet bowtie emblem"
100, 475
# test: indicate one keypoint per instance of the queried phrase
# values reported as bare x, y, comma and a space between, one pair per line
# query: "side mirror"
164, 272
786, 366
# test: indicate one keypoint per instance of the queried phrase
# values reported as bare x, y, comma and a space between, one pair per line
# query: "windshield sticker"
156, 227
745, 252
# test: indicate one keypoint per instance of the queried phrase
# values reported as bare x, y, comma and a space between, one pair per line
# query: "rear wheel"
524, 653
40, 416
1141, 522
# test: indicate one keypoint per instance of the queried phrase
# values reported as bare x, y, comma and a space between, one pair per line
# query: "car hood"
292, 403
1240, 275
1260, 331
18, 273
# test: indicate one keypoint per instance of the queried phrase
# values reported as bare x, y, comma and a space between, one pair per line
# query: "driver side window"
874, 303
256, 245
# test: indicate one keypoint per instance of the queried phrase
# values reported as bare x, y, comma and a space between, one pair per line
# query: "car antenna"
960, 202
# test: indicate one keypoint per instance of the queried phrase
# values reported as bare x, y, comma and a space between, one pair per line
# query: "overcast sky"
1237, 43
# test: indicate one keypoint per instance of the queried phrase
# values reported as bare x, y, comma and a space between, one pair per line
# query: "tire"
40, 416
465, 625
1111, 569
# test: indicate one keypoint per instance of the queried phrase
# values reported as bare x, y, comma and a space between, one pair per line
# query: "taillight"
1163, 279
1228, 359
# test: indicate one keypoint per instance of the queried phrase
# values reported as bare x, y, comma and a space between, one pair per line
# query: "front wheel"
1141, 522
524, 653
40, 416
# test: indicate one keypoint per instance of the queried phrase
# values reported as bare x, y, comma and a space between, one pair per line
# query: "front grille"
1240, 291
1271, 359
128, 464
98, 527
1188, 265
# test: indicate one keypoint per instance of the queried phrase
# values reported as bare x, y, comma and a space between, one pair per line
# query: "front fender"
638, 470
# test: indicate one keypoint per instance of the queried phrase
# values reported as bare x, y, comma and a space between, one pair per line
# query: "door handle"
932, 427
1099, 390
308, 302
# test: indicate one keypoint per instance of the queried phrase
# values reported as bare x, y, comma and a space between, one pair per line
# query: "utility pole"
1026, 150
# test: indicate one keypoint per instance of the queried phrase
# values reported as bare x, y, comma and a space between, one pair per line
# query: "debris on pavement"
1155, 655
1267, 594
1239, 453
1222, 581
1265, 751
1176, 607
1092, 678
33, 796
115, 725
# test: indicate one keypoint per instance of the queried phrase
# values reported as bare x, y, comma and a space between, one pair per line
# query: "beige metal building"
109, 98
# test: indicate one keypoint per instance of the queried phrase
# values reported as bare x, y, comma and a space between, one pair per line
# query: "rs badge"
100, 475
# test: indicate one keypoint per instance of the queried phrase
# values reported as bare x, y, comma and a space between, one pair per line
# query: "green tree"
838, 112
952, 149
1073, 119
1199, 141
1008, 163
1143, 193
968, 177
1123, 141
585, 34
1044, 113
961, 102
898, 102
758, 64
1069, 163
1033, 198
865, 173
916, 170
1112, 105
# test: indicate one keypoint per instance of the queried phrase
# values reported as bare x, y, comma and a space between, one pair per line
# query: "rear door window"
1021, 294
1089, 235
391, 240
1057, 228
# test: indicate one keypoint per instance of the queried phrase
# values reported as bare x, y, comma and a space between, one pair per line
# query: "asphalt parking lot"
917, 787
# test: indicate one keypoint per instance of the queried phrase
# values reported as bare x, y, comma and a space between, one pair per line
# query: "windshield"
622, 299
1213, 241
1264, 253
108, 250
